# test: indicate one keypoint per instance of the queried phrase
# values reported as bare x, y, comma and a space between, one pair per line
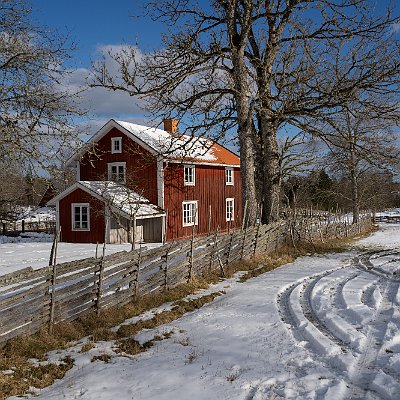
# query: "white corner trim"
58, 216
160, 182
78, 171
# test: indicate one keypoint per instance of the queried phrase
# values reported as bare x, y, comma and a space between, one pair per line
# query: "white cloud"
98, 101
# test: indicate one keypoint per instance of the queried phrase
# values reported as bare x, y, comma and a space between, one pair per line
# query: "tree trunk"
271, 181
244, 118
269, 159
247, 174
355, 201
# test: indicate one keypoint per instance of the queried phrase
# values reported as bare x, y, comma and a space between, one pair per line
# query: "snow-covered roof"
119, 197
170, 146
179, 146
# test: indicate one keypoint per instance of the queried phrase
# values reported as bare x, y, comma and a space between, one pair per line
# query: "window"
189, 175
116, 145
189, 209
80, 217
116, 172
229, 176
230, 209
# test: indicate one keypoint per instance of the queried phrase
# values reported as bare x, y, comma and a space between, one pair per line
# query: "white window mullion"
189, 175
228, 176
190, 213
80, 213
116, 145
230, 209
117, 172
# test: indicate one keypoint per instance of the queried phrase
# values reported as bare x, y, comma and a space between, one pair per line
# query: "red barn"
146, 184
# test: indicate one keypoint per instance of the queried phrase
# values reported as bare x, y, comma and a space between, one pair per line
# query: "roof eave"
112, 123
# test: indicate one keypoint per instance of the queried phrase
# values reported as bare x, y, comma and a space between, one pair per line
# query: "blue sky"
96, 23
96, 26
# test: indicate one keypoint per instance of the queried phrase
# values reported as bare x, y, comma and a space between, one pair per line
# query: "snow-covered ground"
41, 214
323, 327
31, 253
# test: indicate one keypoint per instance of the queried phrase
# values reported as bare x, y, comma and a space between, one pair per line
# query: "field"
323, 327
36, 254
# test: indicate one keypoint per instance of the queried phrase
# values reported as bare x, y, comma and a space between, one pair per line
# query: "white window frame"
116, 164
229, 179
185, 175
227, 215
80, 205
196, 219
113, 141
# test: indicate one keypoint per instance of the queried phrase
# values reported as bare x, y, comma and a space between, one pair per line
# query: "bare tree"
36, 109
360, 141
259, 65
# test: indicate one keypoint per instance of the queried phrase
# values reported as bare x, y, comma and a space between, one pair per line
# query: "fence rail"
389, 219
32, 299
17, 227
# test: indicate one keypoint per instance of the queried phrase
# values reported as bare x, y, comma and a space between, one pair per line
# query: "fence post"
212, 251
258, 230
221, 265
244, 216
136, 280
100, 284
53, 280
243, 243
229, 248
165, 270
190, 270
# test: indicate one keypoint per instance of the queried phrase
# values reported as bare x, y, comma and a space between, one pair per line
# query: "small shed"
98, 211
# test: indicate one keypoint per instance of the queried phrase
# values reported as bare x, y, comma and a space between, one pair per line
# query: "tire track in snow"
289, 317
312, 316
367, 296
369, 363
367, 368
372, 363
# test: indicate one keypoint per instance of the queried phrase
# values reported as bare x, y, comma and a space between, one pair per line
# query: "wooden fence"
16, 228
32, 299
389, 219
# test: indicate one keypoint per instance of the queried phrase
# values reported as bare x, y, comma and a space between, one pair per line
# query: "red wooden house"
154, 183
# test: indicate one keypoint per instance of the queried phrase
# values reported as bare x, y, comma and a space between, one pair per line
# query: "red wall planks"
97, 220
209, 189
141, 166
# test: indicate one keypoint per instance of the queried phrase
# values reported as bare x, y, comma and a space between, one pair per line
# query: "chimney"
171, 125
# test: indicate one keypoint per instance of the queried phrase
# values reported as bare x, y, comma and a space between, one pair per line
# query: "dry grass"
21, 373
101, 357
179, 308
87, 346
26, 375
17, 354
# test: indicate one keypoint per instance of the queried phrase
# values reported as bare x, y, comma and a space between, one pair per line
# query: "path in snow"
349, 334
323, 327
